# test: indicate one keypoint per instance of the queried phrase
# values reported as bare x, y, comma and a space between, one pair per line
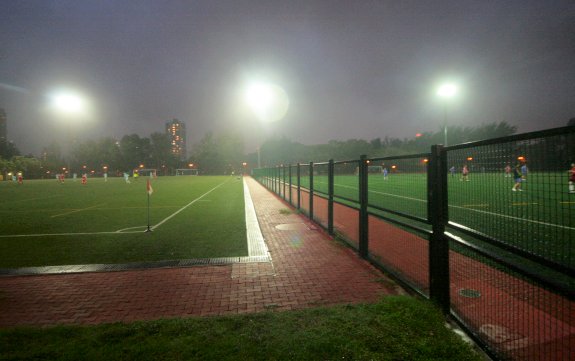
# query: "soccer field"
539, 220
43, 222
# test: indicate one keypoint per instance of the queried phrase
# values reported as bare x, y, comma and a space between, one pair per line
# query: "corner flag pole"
149, 190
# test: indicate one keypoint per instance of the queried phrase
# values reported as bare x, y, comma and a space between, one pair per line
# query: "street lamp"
446, 92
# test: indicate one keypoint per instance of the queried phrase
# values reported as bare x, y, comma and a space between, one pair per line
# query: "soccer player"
84, 178
524, 172
465, 173
507, 171
452, 171
20, 178
385, 171
572, 178
127, 177
105, 176
517, 177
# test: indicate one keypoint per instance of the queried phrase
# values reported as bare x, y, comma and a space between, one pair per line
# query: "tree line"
218, 154
284, 151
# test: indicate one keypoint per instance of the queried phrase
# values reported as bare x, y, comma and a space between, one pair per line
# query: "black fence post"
330, 180
289, 176
274, 175
363, 216
298, 173
284, 181
438, 217
311, 190
278, 170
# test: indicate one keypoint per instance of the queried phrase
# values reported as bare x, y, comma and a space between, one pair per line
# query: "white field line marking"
64, 234
123, 230
76, 211
187, 205
383, 193
567, 202
256, 244
139, 207
474, 210
475, 205
99, 209
516, 218
33, 199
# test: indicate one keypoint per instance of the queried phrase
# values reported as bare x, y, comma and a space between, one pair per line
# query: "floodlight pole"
445, 124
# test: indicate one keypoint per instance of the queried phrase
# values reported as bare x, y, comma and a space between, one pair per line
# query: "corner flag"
149, 188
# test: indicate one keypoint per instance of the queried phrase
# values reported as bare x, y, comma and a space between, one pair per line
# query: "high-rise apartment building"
3, 125
176, 130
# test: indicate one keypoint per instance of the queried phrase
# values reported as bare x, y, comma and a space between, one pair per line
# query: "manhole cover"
292, 227
469, 293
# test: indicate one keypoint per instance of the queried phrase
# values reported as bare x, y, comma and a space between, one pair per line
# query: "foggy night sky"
352, 69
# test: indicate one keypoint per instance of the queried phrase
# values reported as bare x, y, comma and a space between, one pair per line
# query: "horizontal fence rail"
485, 229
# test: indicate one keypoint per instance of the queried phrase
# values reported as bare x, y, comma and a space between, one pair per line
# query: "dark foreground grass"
396, 328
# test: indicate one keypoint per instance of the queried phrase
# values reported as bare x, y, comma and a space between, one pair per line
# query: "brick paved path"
307, 269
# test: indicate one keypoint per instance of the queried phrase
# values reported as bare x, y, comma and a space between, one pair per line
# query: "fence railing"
486, 230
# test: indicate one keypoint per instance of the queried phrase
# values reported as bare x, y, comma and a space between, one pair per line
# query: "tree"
161, 151
8, 149
51, 158
219, 155
5, 167
135, 151
30, 167
109, 154
376, 143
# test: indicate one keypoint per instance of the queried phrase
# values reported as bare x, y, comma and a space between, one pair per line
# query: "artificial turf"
44, 222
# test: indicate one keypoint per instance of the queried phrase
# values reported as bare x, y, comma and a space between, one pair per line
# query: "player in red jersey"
572, 178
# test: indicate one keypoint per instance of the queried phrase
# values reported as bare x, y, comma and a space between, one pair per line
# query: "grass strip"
396, 328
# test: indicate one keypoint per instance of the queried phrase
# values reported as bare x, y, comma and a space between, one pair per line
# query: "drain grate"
469, 293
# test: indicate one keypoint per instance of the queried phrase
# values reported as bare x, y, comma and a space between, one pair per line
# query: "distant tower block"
176, 130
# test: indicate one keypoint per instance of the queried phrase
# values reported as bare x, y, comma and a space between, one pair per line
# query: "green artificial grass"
396, 328
539, 220
47, 223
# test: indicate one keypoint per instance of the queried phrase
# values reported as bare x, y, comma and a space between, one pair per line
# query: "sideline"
256, 245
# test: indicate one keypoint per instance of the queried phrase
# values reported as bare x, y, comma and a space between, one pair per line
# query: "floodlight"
268, 101
447, 90
68, 102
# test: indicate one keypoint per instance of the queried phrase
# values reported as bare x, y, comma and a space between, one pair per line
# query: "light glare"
68, 103
267, 101
448, 90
